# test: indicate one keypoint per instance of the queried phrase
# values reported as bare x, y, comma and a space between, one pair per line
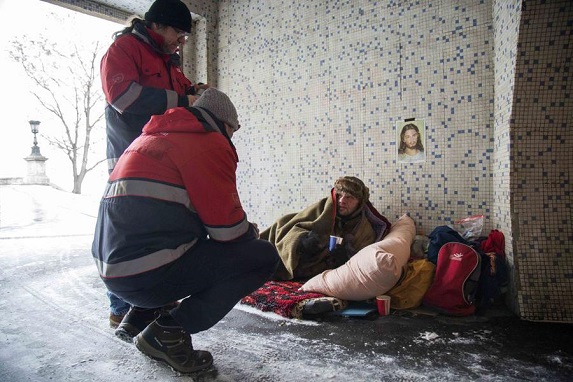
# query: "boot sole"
143, 346
127, 331
124, 335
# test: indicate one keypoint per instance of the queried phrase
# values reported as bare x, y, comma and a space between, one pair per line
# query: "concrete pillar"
36, 170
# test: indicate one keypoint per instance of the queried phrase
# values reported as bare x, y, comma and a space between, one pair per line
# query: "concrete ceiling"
114, 10
127, 7
138, 7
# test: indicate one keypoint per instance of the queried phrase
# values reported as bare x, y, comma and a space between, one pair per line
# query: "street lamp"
34, 127
36, 161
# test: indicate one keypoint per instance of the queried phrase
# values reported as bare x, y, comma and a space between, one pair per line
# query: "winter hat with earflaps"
354, 187
220, 105
173, 13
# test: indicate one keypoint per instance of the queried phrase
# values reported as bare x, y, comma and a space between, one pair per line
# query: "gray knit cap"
220, 105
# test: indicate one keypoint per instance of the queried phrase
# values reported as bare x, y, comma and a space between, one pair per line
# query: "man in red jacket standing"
141, 77
171, 227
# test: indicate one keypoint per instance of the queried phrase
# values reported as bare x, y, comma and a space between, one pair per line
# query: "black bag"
440, 236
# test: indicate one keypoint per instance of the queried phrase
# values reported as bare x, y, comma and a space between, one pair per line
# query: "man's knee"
268, 253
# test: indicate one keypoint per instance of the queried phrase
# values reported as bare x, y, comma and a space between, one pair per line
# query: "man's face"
347, 203
411, 138
173, 37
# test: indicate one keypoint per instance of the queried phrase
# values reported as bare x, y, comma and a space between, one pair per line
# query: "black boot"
134, 322
137, 319
173, 345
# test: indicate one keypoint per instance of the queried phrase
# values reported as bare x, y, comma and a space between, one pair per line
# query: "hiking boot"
172, 344
137, 319
321, 305
115, 319
134, 322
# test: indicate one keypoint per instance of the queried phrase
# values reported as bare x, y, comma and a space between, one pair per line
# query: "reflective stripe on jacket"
138, 81
174, 185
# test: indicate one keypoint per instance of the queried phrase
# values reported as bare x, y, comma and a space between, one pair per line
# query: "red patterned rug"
280, 297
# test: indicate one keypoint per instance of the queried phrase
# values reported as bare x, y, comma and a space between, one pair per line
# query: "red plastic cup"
383, 304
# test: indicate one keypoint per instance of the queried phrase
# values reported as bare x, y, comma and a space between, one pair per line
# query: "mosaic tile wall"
506, 32
540, 171
324, 84
321, 86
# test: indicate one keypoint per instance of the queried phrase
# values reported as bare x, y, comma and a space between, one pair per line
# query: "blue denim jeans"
117, 306
210, 279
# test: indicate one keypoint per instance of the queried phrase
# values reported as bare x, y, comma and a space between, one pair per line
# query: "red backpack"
456, 280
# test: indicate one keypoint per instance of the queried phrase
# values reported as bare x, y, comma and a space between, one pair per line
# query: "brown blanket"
319, 218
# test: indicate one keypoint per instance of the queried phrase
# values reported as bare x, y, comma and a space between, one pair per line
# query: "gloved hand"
337, 256
341, 252
310, 244
349, 245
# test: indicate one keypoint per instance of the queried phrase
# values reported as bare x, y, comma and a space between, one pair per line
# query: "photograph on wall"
410, 139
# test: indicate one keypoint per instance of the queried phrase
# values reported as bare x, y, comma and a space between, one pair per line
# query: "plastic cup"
383, 304
333, 241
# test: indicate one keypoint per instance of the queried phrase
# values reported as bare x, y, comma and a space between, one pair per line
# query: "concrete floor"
55, 327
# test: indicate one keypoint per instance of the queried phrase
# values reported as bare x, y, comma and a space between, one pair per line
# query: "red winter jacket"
174, 185
138, 81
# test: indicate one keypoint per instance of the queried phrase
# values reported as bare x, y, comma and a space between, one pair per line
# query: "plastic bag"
470, 228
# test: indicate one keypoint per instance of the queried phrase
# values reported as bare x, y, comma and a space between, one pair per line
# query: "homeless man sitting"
302, 238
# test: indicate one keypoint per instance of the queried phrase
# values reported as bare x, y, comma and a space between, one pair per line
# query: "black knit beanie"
173, 13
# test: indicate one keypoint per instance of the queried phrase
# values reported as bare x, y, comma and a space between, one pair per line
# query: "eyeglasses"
181, 33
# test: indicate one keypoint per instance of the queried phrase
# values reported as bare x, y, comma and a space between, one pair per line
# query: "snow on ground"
55, 326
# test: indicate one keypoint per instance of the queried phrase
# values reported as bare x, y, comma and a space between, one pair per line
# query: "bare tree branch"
66, 84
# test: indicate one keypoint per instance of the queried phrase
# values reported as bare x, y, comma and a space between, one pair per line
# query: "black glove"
310, 244
338, 256
349, 245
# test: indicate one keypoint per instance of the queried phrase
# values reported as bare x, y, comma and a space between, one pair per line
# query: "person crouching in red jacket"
171, 227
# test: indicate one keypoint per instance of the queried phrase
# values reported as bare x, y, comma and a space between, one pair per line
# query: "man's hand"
310, 244
192, 99
201, 86
256, 227
337, 256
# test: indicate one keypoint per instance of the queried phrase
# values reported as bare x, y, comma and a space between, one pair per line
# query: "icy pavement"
55, 327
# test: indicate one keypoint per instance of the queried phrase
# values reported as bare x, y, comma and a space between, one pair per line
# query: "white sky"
18, 19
